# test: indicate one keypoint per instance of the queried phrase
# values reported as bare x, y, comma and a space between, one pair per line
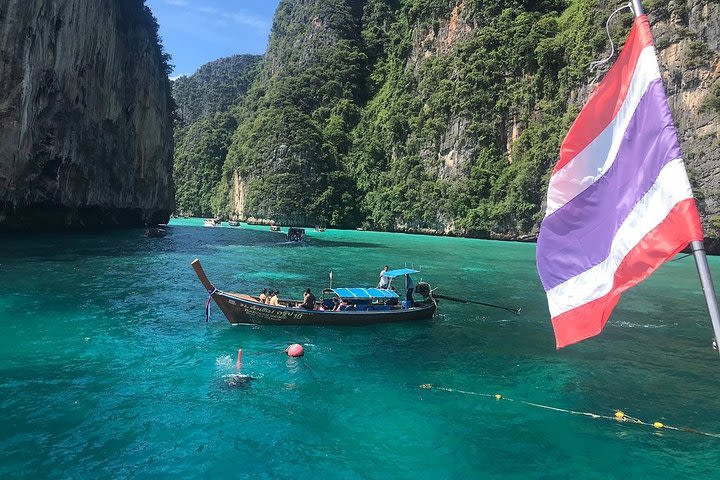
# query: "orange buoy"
295, 350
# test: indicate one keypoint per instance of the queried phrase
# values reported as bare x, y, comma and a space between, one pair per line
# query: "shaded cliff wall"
85, 115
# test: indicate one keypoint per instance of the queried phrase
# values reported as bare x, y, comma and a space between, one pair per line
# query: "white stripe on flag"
597, 158
671, 187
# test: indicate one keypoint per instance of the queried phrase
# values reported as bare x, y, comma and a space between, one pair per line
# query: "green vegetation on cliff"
406, 114
215, 87
200, 152
295, 125
204, 127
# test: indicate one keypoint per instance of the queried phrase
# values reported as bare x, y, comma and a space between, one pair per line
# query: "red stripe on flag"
608, 97
680, 227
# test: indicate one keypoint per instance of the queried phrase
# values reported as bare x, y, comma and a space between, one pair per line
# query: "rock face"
688, 39
85, 116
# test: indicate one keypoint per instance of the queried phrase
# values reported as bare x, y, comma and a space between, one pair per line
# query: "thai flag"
619, 203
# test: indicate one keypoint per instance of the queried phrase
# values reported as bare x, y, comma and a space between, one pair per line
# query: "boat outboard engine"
423, 288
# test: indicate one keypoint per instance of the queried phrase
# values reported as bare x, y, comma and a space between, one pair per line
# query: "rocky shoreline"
712, 245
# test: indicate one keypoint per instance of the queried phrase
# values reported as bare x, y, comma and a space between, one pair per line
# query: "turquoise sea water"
108, 369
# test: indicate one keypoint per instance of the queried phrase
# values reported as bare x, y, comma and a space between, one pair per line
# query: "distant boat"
296, 234
360, 306
233, 223
212, 222
259, 221
155, 232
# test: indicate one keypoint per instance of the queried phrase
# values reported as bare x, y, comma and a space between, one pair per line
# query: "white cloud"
206, 10
240, 18
249, 20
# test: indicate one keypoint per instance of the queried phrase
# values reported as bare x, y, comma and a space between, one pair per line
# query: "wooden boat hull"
240, 311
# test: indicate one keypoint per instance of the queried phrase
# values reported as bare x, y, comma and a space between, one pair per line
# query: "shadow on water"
132, 242
315, 242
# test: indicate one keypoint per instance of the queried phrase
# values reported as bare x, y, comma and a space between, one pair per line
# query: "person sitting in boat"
274, 299
384, 279
308, 300
263, 295
392, 301
336, 304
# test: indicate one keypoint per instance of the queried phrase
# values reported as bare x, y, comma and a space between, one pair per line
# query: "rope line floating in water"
618, 416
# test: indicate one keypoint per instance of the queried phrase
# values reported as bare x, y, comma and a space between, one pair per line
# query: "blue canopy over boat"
364, 293
399, 272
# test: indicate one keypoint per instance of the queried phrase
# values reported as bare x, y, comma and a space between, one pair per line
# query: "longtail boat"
295, 234
360, 306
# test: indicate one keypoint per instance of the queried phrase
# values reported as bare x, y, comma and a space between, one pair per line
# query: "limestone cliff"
215, 87
204, 127
85, 115
446, 116
687, 43
284, 162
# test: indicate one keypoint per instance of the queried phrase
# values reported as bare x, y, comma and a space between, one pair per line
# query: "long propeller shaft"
516, 311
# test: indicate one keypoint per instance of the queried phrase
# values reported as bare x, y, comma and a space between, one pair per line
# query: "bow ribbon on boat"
207, 304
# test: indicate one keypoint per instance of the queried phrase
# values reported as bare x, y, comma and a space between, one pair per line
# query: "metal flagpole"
698, 249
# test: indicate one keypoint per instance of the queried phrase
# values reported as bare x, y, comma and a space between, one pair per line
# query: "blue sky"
195, 32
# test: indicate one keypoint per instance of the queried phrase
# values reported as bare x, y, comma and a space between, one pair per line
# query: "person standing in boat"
308, 300
384, 279
409, 287
263, 295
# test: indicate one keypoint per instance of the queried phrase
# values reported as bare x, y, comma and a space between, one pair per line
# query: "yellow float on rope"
658, 425
619, 415
498, 396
